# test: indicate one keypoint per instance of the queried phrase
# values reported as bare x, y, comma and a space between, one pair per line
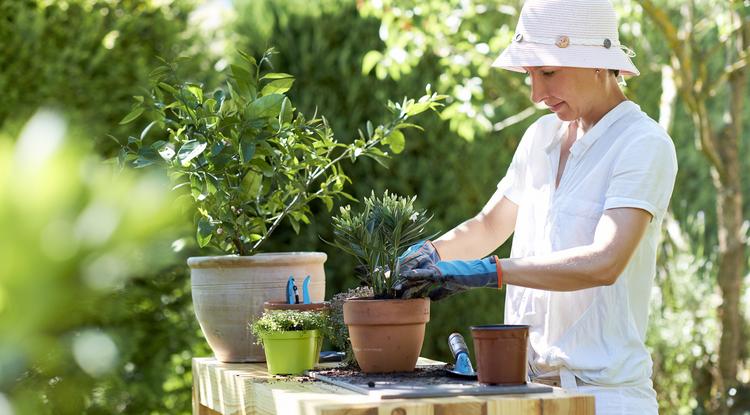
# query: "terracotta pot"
229, 292
386, 335
501, 353
283, 305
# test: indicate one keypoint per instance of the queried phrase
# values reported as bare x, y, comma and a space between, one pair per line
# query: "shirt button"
518, 37
607, 43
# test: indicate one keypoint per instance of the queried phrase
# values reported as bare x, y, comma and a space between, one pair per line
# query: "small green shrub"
289, 320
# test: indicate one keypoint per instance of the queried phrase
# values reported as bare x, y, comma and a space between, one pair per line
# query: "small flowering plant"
277, 321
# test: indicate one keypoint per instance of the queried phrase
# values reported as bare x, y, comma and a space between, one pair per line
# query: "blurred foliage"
81, 229
683, 334
88, 57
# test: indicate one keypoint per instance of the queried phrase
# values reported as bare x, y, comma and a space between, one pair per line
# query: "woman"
584, 198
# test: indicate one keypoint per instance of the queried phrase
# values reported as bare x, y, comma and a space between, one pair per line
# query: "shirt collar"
582, 143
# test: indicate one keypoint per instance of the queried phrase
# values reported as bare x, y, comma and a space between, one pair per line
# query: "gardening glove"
419, 255
451, 277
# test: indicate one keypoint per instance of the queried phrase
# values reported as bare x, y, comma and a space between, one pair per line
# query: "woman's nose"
538, 91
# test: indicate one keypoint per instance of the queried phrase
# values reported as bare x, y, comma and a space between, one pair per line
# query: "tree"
698, 35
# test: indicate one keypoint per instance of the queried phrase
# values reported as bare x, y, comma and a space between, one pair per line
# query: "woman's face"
571, 93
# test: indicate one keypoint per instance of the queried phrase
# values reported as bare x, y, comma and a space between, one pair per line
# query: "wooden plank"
466, 405
247, 389
202, 410
517, 404
572, 405
225, 387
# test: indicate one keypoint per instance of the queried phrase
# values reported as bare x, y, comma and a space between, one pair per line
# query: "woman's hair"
616, 72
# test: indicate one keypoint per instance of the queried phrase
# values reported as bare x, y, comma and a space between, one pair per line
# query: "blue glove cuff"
475, 273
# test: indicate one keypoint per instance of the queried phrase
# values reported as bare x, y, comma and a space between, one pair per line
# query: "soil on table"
430, 375
423, 382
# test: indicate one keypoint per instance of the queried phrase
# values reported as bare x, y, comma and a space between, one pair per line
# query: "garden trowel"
462, 367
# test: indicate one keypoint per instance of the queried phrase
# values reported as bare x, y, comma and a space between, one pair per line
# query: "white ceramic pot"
229, 292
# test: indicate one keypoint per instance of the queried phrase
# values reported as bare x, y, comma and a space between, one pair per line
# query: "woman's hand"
445, 278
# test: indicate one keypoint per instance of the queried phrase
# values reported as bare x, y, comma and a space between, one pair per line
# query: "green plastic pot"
292, 352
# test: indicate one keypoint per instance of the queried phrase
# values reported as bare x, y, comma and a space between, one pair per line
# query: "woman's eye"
548, 73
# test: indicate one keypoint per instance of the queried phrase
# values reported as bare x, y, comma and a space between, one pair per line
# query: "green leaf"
137, 111
275, 75
205, 232
251, 184
295, 224
328, 201
212, 184
248, 58
190, 150
145, 131
280, 83
264, 167
169, 88
247, 149
146, 157
219, 96
370, 60
287, 112
245, 80
158, 72
141, 162
406, 125
196, 90
396, 141
266, 106
240, 74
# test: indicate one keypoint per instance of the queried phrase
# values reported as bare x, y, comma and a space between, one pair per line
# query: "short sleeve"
643, 176
512, 184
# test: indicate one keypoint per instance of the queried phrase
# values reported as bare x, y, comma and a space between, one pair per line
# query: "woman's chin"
565, 116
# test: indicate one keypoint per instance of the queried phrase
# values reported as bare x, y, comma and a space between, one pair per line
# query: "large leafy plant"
376, 236
249, 159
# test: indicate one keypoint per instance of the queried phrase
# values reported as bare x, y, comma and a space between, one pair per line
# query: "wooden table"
248, 389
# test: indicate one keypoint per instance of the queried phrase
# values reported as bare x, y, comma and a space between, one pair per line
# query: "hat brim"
520, 54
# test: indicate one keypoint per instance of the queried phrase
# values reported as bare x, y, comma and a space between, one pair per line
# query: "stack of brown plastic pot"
501, 353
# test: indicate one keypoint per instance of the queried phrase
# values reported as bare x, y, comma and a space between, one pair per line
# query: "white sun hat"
571, 33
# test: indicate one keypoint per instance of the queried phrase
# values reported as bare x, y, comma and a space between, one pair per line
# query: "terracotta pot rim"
499, 327
266, 258
283, 305
371, 312
378, 300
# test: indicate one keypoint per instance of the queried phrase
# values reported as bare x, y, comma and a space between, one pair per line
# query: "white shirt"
625, 160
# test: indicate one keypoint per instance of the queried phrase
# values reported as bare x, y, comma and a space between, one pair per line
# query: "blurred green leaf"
133, 115
190, 150
204, 232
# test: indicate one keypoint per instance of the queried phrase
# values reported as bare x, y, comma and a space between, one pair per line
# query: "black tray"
422, 383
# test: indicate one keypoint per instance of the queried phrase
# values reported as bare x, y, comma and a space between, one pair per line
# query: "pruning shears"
292, 295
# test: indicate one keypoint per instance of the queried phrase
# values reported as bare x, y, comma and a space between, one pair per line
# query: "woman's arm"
617, 236
482, 234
